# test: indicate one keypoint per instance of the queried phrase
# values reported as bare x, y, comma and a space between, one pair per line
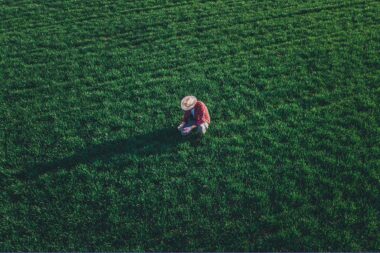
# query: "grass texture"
90, 159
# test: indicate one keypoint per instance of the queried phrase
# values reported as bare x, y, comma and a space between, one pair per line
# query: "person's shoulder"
200, 103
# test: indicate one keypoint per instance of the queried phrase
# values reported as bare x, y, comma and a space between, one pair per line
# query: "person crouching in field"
196, 116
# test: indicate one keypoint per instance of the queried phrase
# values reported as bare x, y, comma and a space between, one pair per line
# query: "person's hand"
181, 126
186, 130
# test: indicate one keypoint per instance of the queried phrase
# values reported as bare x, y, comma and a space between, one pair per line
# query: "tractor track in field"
199, 18
246, 35
295, 12
287, 42
208, 61
175, 37
34, 27
205, 60
242, 37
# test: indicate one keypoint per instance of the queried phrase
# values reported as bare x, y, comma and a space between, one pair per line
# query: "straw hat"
188, 103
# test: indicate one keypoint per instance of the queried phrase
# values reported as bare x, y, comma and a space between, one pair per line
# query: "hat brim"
187, 108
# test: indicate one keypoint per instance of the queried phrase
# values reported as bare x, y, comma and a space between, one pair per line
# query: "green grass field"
90, 158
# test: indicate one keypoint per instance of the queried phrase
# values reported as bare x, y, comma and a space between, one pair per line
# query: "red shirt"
201, 114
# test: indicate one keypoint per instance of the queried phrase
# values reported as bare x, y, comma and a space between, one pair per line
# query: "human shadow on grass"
157, 142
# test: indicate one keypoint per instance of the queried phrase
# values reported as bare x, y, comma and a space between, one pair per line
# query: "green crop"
90, 158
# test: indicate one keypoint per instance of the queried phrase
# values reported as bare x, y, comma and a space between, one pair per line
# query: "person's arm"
181, 125
200, 115
187, 130
185, 118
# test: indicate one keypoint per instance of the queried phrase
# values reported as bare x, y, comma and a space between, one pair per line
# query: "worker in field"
195, 116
